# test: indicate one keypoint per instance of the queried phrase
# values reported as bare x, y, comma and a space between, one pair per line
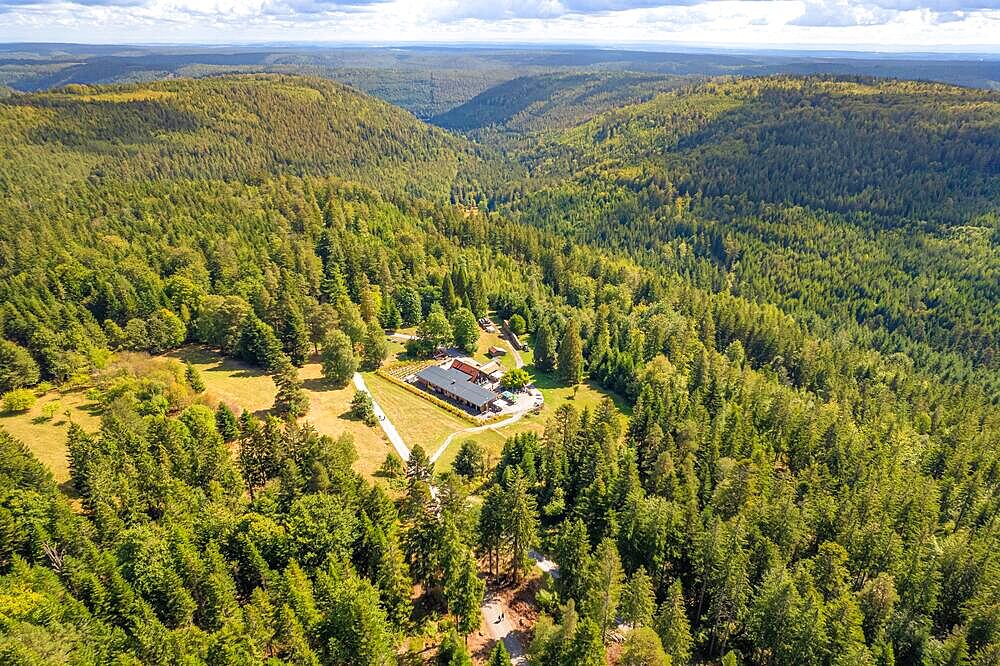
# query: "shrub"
18, 400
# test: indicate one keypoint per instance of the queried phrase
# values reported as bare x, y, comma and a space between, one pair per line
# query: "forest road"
502, 630
387, 427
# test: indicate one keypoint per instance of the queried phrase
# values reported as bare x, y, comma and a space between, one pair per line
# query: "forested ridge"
809, 473
828, 198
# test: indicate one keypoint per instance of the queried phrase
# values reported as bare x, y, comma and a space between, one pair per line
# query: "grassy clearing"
46, 437
243, 387
240, 386
418, 421
491, 440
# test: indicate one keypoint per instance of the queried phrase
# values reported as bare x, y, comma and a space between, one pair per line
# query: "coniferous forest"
790, 284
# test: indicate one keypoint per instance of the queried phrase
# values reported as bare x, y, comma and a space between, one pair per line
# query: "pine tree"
225, 422
571, 354
193, 378
545, 348
291, 400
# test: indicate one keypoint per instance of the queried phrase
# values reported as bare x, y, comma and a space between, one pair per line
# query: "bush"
18, 400
470, 462
361, 408
518, 325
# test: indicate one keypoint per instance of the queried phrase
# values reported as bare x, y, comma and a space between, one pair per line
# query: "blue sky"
925, 25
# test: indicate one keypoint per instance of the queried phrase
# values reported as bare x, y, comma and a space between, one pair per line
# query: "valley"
760, 313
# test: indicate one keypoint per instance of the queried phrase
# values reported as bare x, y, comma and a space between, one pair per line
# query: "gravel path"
389, 429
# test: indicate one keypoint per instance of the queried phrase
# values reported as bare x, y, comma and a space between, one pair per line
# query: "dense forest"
792, 283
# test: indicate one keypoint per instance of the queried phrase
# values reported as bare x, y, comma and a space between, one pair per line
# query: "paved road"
513, 418
502, 630
518, 361
390, 430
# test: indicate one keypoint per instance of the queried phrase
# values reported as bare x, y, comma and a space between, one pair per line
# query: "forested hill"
795, 461
549, 101
862, 206
889, 148
239, 127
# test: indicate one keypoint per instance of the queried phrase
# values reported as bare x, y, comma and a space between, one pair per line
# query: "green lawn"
46, 437
491, 440
418, 421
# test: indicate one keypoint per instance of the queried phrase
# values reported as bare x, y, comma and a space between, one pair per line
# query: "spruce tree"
499, 656
605, 586
418, 467
193, 378
638, 602
522, 524
291, 400
571, 354
545, 348
225, 422
673, 627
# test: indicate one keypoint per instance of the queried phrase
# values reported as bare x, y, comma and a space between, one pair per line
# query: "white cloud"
881, 24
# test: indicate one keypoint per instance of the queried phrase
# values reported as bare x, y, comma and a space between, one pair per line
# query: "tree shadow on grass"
217, 362
318, 384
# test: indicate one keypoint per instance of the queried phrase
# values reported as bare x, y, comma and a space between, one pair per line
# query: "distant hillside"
844, 202
889, 148
431, 81
551, 101
227, 128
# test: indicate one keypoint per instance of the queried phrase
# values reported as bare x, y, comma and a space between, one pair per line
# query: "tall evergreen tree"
545, 348
291, 400
571, 354
193, 378
225, 422
521, 524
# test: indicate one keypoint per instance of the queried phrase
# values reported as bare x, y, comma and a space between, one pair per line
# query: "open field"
46, 437
243, 387
419, 421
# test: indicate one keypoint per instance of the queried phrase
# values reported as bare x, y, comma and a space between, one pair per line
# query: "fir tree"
571, 354
193, 378
225, 422
545, 348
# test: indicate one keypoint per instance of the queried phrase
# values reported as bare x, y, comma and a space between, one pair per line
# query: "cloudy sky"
925, 25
